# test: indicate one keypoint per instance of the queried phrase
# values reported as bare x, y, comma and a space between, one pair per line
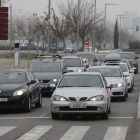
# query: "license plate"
3, 99
78, 105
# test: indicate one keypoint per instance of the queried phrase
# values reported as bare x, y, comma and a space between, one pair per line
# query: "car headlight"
56, 79
19, 92
96, 98
118, 85
133, 62
127, 77
59, 98
79, 70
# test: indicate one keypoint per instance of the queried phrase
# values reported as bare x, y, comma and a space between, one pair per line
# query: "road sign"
137, 28
86, 42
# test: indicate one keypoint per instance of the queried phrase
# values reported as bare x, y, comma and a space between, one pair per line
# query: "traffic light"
137, 28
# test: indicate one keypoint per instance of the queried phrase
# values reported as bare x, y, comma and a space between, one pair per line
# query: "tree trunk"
64, 46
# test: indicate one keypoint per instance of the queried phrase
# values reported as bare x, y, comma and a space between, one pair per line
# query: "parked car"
71, 49
19, 89
89, 55
113, 75
132, 57
83, 92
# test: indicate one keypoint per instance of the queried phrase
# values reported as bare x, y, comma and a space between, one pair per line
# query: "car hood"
79, 92
114, 80
12, 87
74, 69
47, 76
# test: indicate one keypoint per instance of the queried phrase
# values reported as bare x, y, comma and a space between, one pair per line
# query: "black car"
48, 70
133, 59
20, 89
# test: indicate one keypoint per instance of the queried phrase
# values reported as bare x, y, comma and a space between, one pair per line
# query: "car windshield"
122, 66
12, 77
81, 81
72, 62
107, 72
89, 57
127, 55
45, 67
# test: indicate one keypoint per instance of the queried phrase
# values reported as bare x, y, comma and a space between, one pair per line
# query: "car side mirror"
32, 82
137, 57
52, 85
65, 71
110, 86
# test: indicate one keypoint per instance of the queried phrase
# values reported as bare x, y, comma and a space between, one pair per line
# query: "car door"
31, 87
36, 86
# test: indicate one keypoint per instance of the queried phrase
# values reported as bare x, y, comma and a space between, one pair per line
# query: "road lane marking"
116, 133
43, 115
35, 133
138, 115
120, 117
75, 133
6, 129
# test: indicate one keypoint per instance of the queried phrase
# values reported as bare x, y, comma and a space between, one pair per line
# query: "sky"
41, 6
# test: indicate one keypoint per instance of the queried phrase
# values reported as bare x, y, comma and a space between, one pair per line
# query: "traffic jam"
82, 84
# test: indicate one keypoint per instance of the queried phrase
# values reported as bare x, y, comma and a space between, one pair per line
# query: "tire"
130, 90
55, 116
105, 116
39, 103
109, 110
136, 71
28, 107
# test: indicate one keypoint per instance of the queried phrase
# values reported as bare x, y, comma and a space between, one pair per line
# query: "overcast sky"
40, 6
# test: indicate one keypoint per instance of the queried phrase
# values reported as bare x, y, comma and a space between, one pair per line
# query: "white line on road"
138, 115
6, 129
121, 117
35, 133
75, 133
116, 133
43, 115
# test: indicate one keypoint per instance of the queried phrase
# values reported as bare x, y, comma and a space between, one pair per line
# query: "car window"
45, 67
81, 81
72, 62
12, 77
127, 55
107, 72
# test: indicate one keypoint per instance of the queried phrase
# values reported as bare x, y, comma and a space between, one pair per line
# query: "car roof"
84, 53
46, 60
15, 70
113, 57
83, 73
71, 57
105, 67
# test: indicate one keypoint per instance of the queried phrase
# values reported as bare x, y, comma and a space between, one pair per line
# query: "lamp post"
78, 24
105, 23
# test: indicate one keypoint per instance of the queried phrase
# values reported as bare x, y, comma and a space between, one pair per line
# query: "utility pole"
93, 46
48, 37
10, 29
78, 24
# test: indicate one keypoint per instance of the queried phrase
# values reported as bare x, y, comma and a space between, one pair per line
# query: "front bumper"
118, 92
14, 101
96, 107
46, 87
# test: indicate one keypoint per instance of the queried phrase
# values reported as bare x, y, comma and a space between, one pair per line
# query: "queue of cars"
81, 84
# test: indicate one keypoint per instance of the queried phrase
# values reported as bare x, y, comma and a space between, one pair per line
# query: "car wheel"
105, 115
55, 116
130, 90
28, 107
136, 71
39, 103
109, 110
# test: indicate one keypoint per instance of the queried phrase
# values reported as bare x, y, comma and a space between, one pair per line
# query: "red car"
89, 55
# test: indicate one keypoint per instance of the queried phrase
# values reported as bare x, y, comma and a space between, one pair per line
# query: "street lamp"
105, 22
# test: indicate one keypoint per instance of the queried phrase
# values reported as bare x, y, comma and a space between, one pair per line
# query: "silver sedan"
78, 93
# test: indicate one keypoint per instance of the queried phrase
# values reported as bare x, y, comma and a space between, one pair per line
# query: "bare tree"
70, 12
72, 37
29, 30
61, 28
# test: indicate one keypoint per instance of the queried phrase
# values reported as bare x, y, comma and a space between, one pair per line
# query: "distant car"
89, 49
104, 52
118, 50
74, 64
133, 59
71, 49
19, 89
113, 75
23, 45
48, 69
89, 55
81, 93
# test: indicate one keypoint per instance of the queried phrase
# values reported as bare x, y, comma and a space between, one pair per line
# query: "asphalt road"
123, 122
